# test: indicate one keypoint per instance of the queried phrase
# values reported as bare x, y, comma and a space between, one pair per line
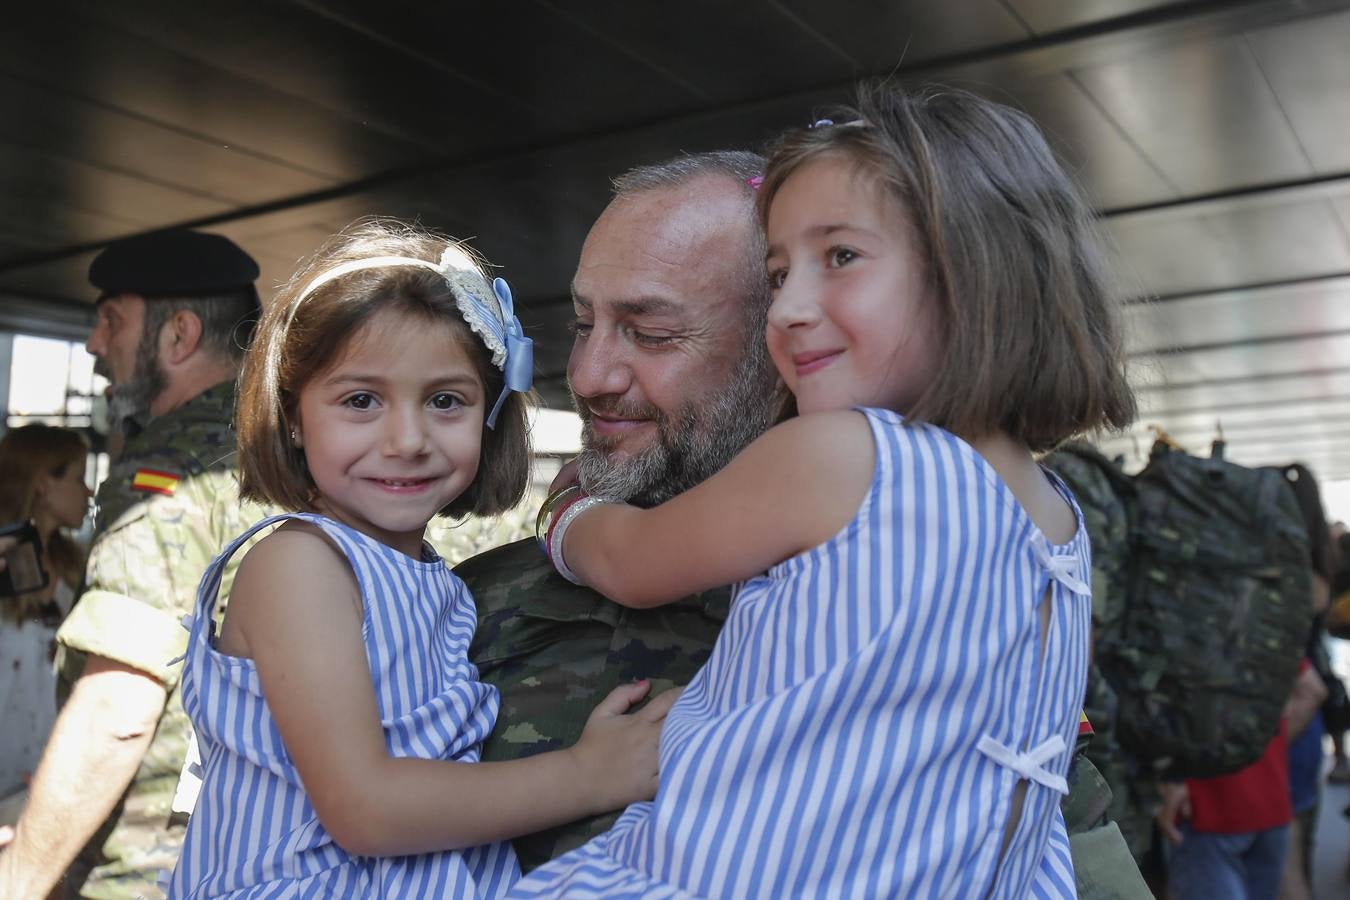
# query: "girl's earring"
295, 440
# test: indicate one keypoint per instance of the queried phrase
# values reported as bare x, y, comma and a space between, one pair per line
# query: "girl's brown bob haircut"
297, 341
1031, 342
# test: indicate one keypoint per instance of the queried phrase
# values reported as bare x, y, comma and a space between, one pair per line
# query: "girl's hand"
616, 755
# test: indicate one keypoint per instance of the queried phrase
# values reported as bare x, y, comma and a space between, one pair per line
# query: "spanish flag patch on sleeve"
155, 481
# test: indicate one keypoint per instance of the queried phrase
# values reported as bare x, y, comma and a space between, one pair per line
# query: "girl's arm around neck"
296, 610
792, 489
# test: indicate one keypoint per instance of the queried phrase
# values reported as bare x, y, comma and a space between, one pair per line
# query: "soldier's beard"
691, 445
131, 400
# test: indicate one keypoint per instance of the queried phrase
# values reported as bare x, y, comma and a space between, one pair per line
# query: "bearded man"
175, 313
671, 377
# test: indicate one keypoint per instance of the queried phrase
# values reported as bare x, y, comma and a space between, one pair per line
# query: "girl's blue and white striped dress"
869, 708
254, 832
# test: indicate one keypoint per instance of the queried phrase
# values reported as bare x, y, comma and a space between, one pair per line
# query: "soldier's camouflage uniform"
554, 650
149, 552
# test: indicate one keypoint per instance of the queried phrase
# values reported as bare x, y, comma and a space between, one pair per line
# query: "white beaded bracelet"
555, 541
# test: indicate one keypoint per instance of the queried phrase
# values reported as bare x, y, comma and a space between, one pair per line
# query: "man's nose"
599, 366
97, 341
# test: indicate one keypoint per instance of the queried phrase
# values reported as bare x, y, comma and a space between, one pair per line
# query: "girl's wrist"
587, 778
558, 532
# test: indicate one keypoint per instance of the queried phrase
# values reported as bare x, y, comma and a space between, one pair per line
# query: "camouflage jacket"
169, 504
554, 650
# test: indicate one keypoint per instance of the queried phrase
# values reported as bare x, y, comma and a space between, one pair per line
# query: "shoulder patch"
1084, 726
154, 481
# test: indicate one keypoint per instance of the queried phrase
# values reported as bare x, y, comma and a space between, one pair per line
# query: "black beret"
174, 262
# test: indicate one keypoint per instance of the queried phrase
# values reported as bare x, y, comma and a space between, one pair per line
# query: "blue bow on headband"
518, 365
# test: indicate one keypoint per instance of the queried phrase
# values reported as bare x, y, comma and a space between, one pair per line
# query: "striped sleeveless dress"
869, 708
253, 832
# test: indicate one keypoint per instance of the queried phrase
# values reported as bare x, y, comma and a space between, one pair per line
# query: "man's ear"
181, 337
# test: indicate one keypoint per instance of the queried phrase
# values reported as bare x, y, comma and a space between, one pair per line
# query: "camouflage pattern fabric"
154, 536
1106, 496
554, 650
1219, 609
456, 541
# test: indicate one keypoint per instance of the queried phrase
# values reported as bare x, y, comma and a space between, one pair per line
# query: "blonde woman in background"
42, 479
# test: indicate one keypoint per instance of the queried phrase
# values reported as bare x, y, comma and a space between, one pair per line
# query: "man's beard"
691, 445
131, 400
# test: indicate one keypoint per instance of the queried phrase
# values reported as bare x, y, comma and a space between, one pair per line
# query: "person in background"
42, 480
1305, 744
175, 310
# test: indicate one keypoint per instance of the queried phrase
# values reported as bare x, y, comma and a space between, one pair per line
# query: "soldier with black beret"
176, 309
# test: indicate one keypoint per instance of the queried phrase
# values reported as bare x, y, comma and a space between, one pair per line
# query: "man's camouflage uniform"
154, 536
554, 650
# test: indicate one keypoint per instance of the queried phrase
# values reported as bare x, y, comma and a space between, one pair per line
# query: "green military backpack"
1219, 604
1105, 494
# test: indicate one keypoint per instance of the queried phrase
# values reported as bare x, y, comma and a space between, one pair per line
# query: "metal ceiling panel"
725, 52
1253, 420
128, 75
55, 122
1308, 66
1250, 243
1341, 207
1227, 317
455, 88
37, 184
1182, 103
302, 54
908, 33
1045, 16
1110, 168
1281, 356
52, 281
1306, 384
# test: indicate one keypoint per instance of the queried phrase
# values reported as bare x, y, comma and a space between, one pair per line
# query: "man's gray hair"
228, 320
742, 165
745, 168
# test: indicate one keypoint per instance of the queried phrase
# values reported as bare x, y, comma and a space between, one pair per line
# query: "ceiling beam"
1057, 51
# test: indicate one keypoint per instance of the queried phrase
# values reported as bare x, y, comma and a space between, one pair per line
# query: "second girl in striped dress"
338, 715
891, 707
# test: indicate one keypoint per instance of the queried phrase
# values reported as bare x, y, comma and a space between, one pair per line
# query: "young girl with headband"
336, 709
891, 707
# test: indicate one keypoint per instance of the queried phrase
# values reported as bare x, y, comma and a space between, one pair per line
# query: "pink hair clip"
755, 182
